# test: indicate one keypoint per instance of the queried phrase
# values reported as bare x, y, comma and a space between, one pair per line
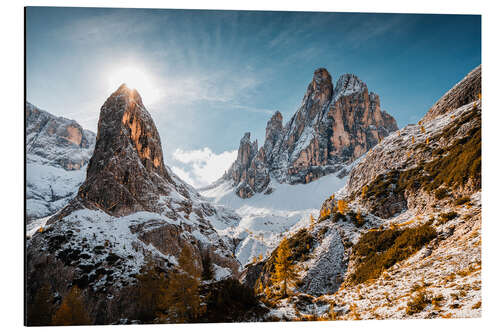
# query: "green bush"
381, 249
461, 163
376, 241
357, 219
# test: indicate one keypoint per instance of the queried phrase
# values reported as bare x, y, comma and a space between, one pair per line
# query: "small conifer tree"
208, 270
181, 298
342, 206
284, 274
72, 311
363, 191
151, 286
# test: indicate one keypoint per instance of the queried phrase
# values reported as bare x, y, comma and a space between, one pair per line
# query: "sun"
135, 77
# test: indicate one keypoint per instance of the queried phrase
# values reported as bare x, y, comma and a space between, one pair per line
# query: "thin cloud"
202, 167
107, 26
224, 88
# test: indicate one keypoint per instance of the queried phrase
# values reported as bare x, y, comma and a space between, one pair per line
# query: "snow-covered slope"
57, 153
49, 188
266, 218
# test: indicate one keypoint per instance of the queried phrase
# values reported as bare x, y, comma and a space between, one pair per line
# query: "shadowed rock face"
333, 126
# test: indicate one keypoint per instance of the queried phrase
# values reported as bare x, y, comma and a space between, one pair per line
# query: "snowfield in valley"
266, 218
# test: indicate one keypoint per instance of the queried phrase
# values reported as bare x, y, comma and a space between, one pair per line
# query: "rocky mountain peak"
348, 84
319, 92
127, 167
130, 209
330, 129
321, 79
57, 152
274, 129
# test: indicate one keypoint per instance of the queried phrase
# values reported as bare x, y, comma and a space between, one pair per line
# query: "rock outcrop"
464, 92
412, 166
61, 142
333, 126
130, 207
57, 153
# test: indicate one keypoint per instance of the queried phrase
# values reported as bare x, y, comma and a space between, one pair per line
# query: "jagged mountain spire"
127, 170
331, 128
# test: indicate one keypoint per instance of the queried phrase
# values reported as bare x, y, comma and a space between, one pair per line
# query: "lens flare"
137, 78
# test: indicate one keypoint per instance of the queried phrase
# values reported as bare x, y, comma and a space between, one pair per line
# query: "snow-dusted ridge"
57, 153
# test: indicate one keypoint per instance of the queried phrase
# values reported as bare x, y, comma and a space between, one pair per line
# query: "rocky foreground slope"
57, 153
403, 238
334, 125
129, 208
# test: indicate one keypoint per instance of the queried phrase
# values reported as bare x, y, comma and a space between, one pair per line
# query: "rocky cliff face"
61, 142
130, 207
440, 154
57, 153
333, 126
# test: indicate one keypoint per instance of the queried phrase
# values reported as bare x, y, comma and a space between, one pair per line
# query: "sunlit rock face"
334, 125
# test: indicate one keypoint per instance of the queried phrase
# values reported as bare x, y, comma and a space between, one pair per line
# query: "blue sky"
209, 76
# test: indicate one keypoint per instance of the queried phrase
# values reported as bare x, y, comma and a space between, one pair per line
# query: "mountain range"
381, 222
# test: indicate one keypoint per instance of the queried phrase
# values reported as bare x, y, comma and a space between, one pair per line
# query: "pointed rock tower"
334, 125
131, 207
126, 172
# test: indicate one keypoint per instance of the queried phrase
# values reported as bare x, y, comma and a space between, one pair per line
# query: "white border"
11, 140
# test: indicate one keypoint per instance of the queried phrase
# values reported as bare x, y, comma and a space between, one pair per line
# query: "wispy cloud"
107, 26
225, 88
202, 167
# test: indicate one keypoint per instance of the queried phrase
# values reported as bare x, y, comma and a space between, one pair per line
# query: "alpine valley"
338, 215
